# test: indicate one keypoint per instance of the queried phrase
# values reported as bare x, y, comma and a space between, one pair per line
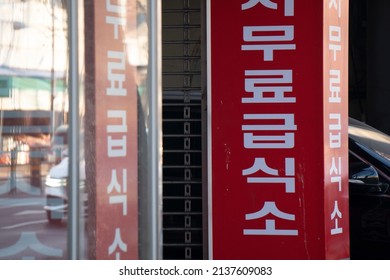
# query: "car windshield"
370, 137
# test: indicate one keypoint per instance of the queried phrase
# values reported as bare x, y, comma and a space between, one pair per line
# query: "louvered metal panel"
182, 130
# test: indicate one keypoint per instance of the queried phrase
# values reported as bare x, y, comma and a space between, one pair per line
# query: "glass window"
39, 131
33, 129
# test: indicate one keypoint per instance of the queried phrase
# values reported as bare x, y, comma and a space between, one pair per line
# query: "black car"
369, 179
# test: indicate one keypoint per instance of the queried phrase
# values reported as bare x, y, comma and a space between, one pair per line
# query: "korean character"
121, 190
29, 241
270, 225
334, 40
261, 165
288, 6
335, 86
116, 76
119, 20
280, 141
117, 147
261, 84
117, 244
258, 34
335, 4
334, 130
336, 215
335, 171
121, 126
118, 23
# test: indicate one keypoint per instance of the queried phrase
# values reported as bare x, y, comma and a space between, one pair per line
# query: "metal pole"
155, 133
73, 178
53, 78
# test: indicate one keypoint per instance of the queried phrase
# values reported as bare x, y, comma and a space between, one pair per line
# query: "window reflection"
33, 106
34, 124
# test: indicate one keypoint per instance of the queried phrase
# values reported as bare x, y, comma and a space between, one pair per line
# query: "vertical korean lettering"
116, 130
273, 131
334, 98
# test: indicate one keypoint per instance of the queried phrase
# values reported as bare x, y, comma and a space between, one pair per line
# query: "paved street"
24, 230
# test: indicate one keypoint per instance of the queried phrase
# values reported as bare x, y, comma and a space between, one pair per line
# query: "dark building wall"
377, 41
369, 62
378, 64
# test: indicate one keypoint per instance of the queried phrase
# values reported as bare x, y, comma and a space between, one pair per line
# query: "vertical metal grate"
182, 130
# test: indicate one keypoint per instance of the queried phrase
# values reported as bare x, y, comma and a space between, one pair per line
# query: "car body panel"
369, 197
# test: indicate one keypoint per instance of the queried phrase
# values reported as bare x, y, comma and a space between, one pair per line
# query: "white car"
56, 190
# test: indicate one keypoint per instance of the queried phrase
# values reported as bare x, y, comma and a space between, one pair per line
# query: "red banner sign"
116, 136
279, 155
335, 126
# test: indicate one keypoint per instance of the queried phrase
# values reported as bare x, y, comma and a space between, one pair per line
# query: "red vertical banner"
336, 125
278, 186
116, 135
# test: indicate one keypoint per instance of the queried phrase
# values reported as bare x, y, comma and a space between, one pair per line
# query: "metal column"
74, 146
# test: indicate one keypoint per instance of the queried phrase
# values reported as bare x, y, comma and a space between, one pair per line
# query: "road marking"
30, 212
25, 224
18, 202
